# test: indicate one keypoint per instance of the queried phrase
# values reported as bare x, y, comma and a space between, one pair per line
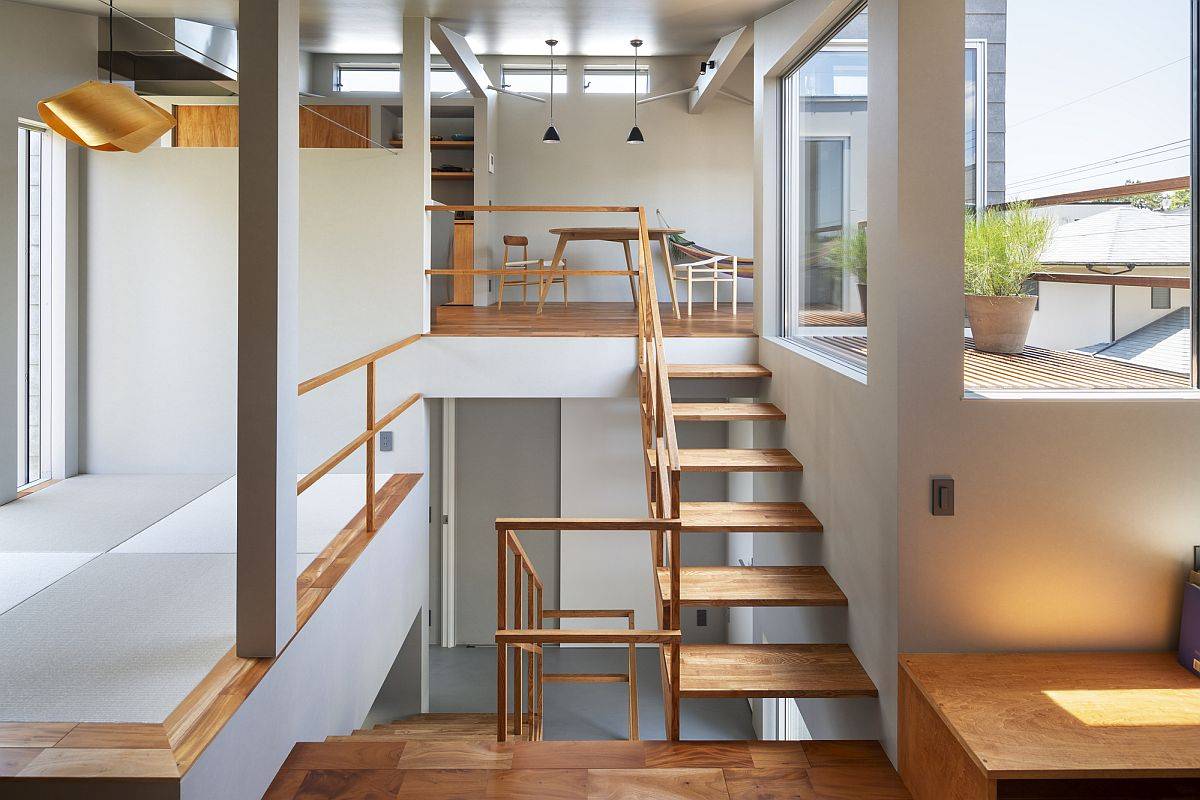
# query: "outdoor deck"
1037, 368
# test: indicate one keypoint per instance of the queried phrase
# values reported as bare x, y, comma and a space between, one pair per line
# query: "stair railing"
527, 632
660, 451
373, 425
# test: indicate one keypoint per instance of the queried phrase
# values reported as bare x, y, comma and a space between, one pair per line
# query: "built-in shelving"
444, 145
442, 175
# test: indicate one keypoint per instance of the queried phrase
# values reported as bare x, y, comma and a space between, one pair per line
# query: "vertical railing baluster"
371, 446
502, 624
518, 569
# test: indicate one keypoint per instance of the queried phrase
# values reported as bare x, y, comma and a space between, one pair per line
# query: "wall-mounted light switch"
942, 497
491, 162
701, 617
385, 441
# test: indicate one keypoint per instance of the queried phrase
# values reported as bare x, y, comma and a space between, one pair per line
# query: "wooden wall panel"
318, 132
206, 126
217, 126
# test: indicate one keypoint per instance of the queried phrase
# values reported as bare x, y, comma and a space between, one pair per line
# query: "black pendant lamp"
635, 133
551, 134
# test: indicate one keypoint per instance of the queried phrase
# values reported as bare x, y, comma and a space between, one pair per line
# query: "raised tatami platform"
117, 591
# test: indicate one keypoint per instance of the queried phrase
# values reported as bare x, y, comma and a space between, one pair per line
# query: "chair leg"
565, 299
689, 290
525, 286
633, 698
500, 295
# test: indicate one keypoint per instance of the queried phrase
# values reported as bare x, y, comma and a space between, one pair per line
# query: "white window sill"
844, 368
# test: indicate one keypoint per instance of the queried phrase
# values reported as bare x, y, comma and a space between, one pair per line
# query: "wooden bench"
1001, 726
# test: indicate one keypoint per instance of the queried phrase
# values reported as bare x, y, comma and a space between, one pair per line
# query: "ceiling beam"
728, 54
458, 54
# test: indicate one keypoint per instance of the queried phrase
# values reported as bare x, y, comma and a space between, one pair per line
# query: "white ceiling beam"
728, 53
461, 58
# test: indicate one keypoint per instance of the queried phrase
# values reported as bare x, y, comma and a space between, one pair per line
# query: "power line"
1113, 172
1103, 162
1098, 92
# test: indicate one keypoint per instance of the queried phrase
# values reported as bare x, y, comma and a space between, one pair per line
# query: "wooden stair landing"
752, 586
772, 670
717, 371
468, 726
727, 412
724, 459
719, 517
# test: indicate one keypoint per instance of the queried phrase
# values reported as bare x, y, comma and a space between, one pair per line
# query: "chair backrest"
516, 241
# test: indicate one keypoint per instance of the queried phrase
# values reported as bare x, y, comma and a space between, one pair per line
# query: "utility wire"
1103, 162
1098, 92
207, 57
1112, 172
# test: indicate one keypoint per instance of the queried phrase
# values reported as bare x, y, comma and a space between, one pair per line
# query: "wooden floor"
585, 319
611, 770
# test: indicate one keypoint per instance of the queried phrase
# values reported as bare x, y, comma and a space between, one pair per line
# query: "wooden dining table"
624, 236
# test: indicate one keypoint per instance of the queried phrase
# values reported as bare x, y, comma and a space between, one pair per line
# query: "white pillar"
415, 69
268, 278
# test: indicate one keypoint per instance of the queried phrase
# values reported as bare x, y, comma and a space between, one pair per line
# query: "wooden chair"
716, 270
522, 267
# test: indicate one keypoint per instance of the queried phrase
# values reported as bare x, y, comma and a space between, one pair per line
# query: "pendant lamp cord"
551, 85
110, 39
635, 88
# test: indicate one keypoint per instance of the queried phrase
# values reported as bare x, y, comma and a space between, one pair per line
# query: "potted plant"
849, 252
1002, 249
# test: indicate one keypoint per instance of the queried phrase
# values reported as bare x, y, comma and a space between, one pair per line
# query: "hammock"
687, 250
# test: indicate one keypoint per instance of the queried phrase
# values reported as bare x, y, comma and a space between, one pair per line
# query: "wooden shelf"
752, 586
440, 175
772, 670
443, 145
718, 517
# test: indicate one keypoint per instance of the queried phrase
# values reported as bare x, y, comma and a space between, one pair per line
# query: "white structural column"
268, 310
415, 68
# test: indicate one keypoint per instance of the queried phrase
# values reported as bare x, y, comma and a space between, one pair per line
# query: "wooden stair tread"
726, 459
727, 412
772, 670
717, 371
717, 517
753, 586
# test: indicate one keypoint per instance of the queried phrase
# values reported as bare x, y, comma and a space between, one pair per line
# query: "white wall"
160, 288
1071, 315
695, 167
42, 53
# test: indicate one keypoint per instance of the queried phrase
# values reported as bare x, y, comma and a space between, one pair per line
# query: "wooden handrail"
350, 366
544, 209
514, 272
355, 443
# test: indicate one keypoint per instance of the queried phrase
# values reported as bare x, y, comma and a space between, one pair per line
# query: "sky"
1061, 52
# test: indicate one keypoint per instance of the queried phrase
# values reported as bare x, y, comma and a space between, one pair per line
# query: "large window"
33, 305
824, 194
534, 79
1080, 274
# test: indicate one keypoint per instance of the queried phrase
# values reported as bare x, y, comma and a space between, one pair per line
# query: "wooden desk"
624, 236
990, 726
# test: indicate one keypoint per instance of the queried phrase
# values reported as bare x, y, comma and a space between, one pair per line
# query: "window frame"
981, 124
560, 70
46, 291
358, 66
620, 70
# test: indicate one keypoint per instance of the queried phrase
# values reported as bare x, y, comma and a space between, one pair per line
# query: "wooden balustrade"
372, 428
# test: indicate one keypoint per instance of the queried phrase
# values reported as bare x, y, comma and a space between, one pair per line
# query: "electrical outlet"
386, 441
491, 162
701, 617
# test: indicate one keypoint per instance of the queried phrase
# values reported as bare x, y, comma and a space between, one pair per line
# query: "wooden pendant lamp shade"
105, 116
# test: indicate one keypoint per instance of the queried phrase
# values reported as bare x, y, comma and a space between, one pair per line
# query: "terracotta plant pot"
862, 297
1000, 324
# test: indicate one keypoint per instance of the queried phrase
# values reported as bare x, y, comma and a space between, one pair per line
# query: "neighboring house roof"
1164, 344
1123, 235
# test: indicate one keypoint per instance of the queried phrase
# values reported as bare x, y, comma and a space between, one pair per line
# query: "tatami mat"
122, 639
94, 513
23, 575
207, 525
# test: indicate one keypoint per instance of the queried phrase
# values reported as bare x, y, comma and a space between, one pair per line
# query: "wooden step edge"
586, 636
733, 459
722, 517
799, 671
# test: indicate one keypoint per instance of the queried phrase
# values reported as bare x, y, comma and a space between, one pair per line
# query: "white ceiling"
584, 27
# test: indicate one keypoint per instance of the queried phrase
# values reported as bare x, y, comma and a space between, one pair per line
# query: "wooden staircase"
750, 670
